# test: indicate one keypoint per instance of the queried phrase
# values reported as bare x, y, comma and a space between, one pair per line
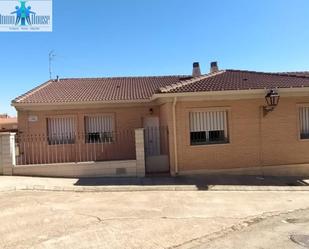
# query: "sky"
103, 38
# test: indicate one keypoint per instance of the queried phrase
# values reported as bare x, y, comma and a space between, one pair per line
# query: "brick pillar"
7, 153
140, 152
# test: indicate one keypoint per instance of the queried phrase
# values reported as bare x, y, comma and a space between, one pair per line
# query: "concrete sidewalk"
197, 183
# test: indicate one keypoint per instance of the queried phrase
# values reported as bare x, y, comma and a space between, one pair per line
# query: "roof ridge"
300, 74
125, 77
285, 74
179, 84
297, 72
34, 90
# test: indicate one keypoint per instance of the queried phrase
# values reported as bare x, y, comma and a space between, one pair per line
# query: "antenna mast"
51, 56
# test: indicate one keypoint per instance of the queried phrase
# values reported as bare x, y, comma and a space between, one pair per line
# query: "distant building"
7, 123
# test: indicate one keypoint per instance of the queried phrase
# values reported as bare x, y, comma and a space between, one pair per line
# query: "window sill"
303, 139
100, 143
57, 145
209, 145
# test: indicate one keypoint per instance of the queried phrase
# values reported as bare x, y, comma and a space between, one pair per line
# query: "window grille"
99, 129
61, 130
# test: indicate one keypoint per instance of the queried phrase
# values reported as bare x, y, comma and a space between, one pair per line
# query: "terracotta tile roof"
142, 88
8, 124
97, 89
8, 121
239, 80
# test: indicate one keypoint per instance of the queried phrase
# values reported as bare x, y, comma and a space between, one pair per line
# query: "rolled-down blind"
208, 121
304, 120
99, 124
60, 127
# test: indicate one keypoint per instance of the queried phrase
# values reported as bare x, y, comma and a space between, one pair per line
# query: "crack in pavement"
235, 228
91, 216
160, 217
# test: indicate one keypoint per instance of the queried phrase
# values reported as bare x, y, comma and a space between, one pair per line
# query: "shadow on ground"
201, 182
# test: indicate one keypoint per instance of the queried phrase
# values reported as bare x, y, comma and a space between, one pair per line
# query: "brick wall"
254, 140
125, 118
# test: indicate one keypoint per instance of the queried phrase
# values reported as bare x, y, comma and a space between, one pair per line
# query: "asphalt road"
45, 220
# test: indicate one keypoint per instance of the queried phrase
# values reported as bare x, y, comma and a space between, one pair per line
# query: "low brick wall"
90, 169
125, 168
298, 170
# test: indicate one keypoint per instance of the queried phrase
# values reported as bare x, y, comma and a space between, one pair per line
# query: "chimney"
196, 69
214, 67
57, 78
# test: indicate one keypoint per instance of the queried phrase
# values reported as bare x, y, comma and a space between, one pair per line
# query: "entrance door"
152, 136
156, 146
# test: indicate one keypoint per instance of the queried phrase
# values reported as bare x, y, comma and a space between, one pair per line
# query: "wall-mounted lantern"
272, 100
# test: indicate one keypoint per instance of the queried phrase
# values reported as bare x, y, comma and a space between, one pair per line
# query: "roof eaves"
29, 93
138, 101
180, 84
286, 91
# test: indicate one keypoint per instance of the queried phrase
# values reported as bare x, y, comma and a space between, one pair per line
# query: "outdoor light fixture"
272, 99
151, 111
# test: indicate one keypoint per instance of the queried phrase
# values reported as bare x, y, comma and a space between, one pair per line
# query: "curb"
152, 188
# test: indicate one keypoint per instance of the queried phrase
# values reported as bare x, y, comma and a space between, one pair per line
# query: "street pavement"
152, 219
287, 231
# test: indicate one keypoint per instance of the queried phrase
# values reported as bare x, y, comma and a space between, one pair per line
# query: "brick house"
218, 122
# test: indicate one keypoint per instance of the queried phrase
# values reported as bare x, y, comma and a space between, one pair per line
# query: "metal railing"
75, 147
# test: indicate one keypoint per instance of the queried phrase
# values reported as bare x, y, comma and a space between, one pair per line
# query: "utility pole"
51, 56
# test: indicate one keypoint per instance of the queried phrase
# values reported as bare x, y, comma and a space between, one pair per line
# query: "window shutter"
61, 129
208, 121
99, 124
304, 122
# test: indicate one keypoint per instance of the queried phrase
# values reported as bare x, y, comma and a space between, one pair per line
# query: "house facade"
193, 124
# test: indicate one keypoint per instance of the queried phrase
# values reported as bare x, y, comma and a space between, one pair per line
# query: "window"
304, 122
99, 129
61, 130
209, 127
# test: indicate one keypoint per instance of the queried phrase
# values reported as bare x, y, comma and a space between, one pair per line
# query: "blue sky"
101, 38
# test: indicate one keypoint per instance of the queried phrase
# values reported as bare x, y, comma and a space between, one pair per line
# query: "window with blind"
61, 130
99, 129
304, 122
209, 127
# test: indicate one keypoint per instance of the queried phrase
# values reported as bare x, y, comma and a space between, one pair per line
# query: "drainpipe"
175, 135
261, 115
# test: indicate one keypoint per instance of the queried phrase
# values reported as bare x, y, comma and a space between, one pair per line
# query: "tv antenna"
51, 57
